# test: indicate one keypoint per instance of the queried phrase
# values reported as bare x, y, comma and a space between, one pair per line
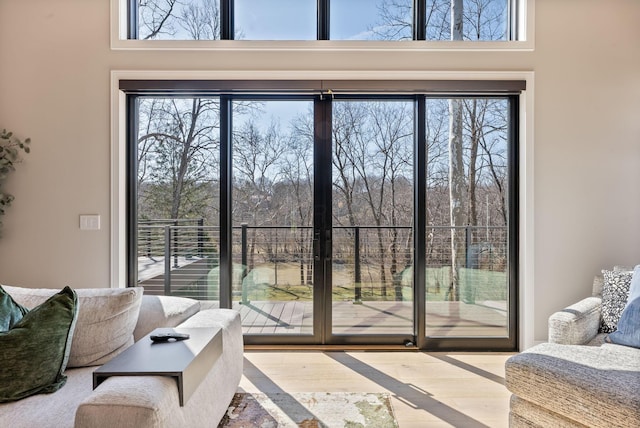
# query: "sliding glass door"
272, 213
372, 201
331, 219
470, 219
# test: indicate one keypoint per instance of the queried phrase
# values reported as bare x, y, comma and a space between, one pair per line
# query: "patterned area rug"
310, 410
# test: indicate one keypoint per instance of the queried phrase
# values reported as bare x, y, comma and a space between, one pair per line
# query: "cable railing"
181, 257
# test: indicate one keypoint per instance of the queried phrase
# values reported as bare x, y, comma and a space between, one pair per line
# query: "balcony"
372, 278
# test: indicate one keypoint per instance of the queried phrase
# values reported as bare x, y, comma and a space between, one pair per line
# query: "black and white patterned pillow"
615, 292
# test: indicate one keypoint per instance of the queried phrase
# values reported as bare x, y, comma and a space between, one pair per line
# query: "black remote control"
164, 337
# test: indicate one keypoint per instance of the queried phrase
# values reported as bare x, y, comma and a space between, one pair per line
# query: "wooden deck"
295, 317
443, 318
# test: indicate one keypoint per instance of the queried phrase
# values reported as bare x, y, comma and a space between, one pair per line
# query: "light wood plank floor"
434, 389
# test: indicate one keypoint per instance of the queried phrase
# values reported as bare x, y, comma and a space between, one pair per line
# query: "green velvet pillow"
10, 311
34, 352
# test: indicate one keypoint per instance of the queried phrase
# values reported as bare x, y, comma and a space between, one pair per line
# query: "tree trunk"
457, 185
456, 19
383, 273
185, 159
457, 194
473, 156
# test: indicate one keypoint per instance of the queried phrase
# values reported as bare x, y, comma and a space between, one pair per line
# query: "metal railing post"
201, 237
275, 261
244, 263
167, 260
358, 273
175, 246
148, 241
467, 239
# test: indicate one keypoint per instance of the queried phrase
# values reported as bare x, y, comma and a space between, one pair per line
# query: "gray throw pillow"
34, 352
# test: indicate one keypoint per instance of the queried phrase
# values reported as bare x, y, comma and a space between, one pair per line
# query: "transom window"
381, 20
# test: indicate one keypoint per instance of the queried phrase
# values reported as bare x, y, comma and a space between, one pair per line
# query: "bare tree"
298, 170
395, 20
155, 18
201, 20
256, 159
493, 142
485, 19
393, 135
372, 161
178, 19
178, 147
348, 121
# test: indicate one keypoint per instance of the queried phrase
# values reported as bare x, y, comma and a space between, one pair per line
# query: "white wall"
55, 87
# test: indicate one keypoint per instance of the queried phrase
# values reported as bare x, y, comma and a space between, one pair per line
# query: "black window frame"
323, 26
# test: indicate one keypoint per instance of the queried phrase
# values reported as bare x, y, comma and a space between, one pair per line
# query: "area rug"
310, 410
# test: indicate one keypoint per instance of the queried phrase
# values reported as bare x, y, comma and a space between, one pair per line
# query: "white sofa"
575, 380
134, 401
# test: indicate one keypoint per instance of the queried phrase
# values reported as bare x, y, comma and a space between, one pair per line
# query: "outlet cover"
89, 222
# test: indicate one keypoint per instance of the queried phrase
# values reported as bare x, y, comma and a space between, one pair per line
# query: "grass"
282, 283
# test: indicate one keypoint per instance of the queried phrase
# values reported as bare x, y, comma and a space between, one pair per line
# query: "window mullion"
226, 19
420, 220
134, 18
132, 188
419, 20
513, 10
323, 20
226, 221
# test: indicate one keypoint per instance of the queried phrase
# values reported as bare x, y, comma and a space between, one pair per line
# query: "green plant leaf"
10, 147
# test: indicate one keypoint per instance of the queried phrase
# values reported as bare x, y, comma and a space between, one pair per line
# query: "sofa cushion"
105, 324
163, 311
615, 292
590, 385
35, 351
523, 413
55, 410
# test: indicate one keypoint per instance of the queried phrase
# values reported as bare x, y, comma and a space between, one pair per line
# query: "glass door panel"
273, 216
467, 200
178, 203
372, 281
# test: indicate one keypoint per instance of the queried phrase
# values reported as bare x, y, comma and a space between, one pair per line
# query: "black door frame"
322, 218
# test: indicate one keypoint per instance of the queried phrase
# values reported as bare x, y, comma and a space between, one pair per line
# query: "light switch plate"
89, 222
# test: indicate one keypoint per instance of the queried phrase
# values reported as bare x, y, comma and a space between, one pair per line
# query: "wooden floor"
427, 389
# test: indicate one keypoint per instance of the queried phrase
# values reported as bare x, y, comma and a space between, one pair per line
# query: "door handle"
316, 245
328, 247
